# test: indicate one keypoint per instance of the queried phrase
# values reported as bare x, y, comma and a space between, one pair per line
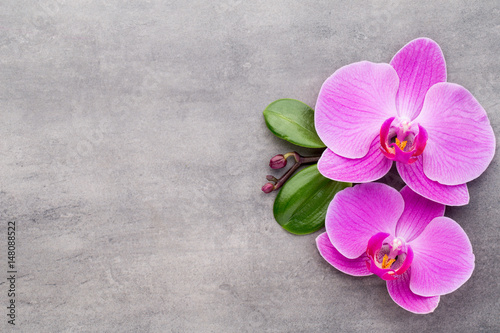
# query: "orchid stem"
286, 176
299, 160
310, 159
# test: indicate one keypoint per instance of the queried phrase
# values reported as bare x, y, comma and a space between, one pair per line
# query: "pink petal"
355, 267
400, 292
357, 213
418, 213
461, 141
443, 258
413, 175
352, 105
360, 170
419, 64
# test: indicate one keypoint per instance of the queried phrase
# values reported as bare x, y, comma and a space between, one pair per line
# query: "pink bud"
268, 188
277, 162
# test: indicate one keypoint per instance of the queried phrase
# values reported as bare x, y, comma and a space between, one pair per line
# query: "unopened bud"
268, 188
277, 162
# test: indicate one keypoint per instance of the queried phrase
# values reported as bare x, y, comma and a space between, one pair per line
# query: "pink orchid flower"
369, 115
419, 252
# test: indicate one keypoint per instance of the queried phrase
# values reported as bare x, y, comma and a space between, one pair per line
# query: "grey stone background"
133, 149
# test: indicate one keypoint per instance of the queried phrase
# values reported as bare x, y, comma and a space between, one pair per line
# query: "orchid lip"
408, 144
388, 259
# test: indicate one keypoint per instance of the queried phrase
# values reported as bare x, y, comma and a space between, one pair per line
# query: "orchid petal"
418, 213
360, 170
400, 292
413, 175
357, 213
419, 64
443, 258
352, 104
461, 141
355, 267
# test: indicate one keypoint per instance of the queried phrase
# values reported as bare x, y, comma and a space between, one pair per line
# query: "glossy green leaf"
300, 207
293, 121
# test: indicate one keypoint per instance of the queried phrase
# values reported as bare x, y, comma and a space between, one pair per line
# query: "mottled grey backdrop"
133, 149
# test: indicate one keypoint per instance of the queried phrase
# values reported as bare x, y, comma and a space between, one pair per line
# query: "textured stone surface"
133, 149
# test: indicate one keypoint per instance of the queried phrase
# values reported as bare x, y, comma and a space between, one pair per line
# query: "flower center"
389, 258
386, 262
401, 144
401, 140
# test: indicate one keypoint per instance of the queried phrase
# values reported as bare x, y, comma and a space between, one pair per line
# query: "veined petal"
443, 258
461, 141
358, 170
413, 175
352, 105
355, 267
418, 213
357, 213
419, 64
400, 292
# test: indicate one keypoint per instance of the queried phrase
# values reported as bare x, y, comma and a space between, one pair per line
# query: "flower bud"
277, 162
268, 188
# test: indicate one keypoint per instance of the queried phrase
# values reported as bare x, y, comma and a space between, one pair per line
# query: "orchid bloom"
400, 236
369, 115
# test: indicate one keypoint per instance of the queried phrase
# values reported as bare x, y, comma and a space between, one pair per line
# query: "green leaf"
293, 121
300, 207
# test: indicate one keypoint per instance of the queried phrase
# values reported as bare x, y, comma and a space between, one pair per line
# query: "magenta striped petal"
357, 213
355, 267
419, 64
352, 105
400, 292
418, 213
443, 258
360, 170
413, 175
462, 142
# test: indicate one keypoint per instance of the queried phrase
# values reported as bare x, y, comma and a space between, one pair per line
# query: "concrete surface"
133, 149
